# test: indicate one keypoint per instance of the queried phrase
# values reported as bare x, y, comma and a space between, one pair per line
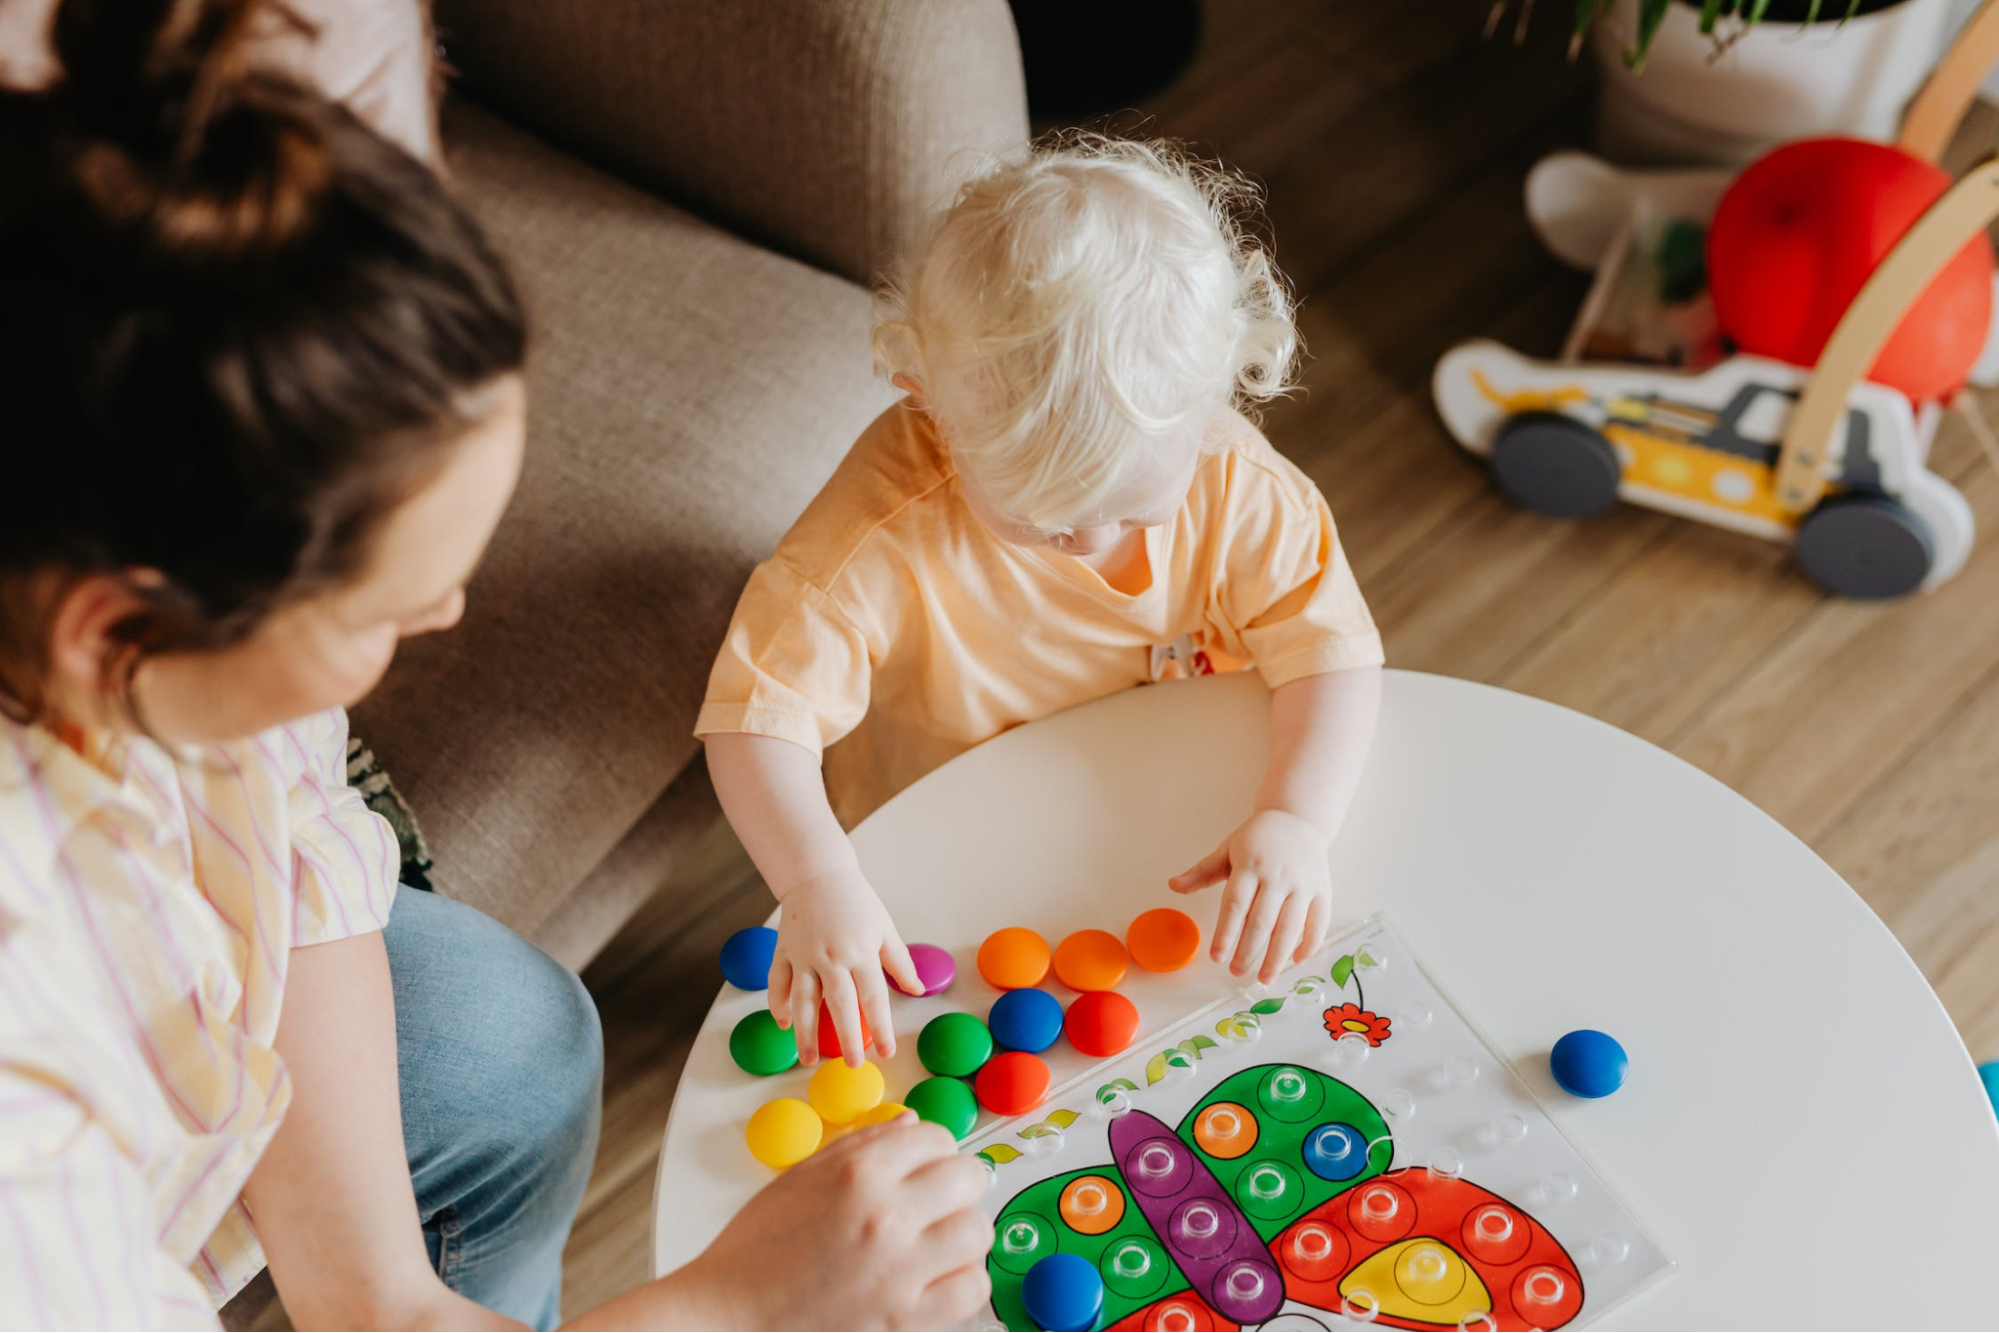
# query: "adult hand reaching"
880, 1229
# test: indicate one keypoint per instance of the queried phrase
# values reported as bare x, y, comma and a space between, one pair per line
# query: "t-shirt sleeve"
1284, 595
76, 1242
345, 858
794, 665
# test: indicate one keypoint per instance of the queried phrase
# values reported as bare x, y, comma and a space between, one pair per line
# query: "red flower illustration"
1352, 1018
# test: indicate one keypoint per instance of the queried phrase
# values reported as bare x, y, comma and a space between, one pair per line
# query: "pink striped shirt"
149, 903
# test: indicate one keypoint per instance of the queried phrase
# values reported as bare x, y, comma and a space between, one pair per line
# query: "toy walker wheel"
1867, 547
1555, 465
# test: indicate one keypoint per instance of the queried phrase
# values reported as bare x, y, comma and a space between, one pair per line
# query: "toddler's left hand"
1279, 898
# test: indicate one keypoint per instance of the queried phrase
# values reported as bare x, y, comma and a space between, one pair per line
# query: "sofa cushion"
689, 392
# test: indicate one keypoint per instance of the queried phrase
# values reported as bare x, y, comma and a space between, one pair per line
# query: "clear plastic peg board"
1344, 1150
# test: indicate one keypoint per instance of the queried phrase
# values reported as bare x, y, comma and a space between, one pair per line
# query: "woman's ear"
83, 633
912, 386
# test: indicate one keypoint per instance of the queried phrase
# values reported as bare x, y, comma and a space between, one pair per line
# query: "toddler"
1068, 502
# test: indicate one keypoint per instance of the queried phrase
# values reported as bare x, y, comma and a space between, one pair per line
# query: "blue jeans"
501, 1061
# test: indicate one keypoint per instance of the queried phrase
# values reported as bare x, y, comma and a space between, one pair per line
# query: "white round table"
1802, 1130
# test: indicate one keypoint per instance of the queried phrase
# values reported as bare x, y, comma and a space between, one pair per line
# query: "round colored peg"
945, 1101
829, 1036
1101, 1023
759, 1046
784, 1132
1090, 960
841, 1092
1063, 1292
935, 968
1588, 1063
1013, 958
1026, 1020
746, 957
1164, 939
1013, 1082
954, 1044
879, 1114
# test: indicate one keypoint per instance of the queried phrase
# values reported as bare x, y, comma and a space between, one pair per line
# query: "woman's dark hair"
237, 328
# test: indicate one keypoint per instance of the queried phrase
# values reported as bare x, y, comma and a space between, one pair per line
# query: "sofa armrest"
829, 130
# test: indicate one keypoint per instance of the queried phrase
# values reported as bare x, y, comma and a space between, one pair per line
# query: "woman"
266, 408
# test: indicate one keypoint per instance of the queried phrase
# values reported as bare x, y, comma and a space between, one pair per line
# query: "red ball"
1012, 1082
1802, 229
1101, 1023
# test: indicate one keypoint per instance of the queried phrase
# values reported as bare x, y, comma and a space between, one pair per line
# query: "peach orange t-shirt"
892, 630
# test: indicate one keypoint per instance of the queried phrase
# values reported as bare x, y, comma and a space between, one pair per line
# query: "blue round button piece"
1026, 1020
1988, 1074
1063, 1293
746, 957
1335, 1152
1588, 1063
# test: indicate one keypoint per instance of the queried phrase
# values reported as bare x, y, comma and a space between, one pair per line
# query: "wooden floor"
1393, 140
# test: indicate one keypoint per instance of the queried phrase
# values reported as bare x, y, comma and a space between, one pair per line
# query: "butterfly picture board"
1344, 1150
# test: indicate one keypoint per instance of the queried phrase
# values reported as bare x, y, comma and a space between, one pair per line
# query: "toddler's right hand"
834, 937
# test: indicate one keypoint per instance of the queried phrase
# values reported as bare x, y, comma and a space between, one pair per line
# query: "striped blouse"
149, 902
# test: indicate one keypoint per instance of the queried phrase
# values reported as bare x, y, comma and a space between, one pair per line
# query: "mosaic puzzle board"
1345, 1150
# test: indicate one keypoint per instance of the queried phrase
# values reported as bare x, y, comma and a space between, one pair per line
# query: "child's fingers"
895, 957
1256, 930
1315, 927
780, 990
1284, 938
873, 989
1235, 907
1209, 870
845, 1008
805, 1014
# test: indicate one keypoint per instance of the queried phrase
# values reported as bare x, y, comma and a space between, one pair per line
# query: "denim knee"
500, 1050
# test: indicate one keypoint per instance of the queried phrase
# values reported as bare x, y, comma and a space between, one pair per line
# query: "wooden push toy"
1713, 387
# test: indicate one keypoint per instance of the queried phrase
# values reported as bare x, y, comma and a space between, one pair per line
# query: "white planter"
1778, 82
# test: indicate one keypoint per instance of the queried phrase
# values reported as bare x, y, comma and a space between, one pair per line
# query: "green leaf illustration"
1043, 1128
1269, 1006
1000, 1153
1124, 1083
1155, 1068
1061, 1119
1180, 1059
1200, 1043
1342, 970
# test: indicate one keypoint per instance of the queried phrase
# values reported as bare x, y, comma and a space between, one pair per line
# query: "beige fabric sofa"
695, 194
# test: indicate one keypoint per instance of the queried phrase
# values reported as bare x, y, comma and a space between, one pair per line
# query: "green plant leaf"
999, 1154
1710, 15
1269, 1006
1341, 971
1155, 1068
1651, 13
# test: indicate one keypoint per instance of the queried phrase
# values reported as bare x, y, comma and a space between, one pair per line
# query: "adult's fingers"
1235, 908
805, 1014
780, 990
1284, 937
873, 989
945, 1185
844, 1007
895, 957
1316, 918
1209, 870
1256, 930
951, 1299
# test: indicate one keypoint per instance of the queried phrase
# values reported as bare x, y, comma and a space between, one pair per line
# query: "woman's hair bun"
168, 131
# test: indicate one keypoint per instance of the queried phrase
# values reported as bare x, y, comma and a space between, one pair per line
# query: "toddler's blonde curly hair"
1079, 305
